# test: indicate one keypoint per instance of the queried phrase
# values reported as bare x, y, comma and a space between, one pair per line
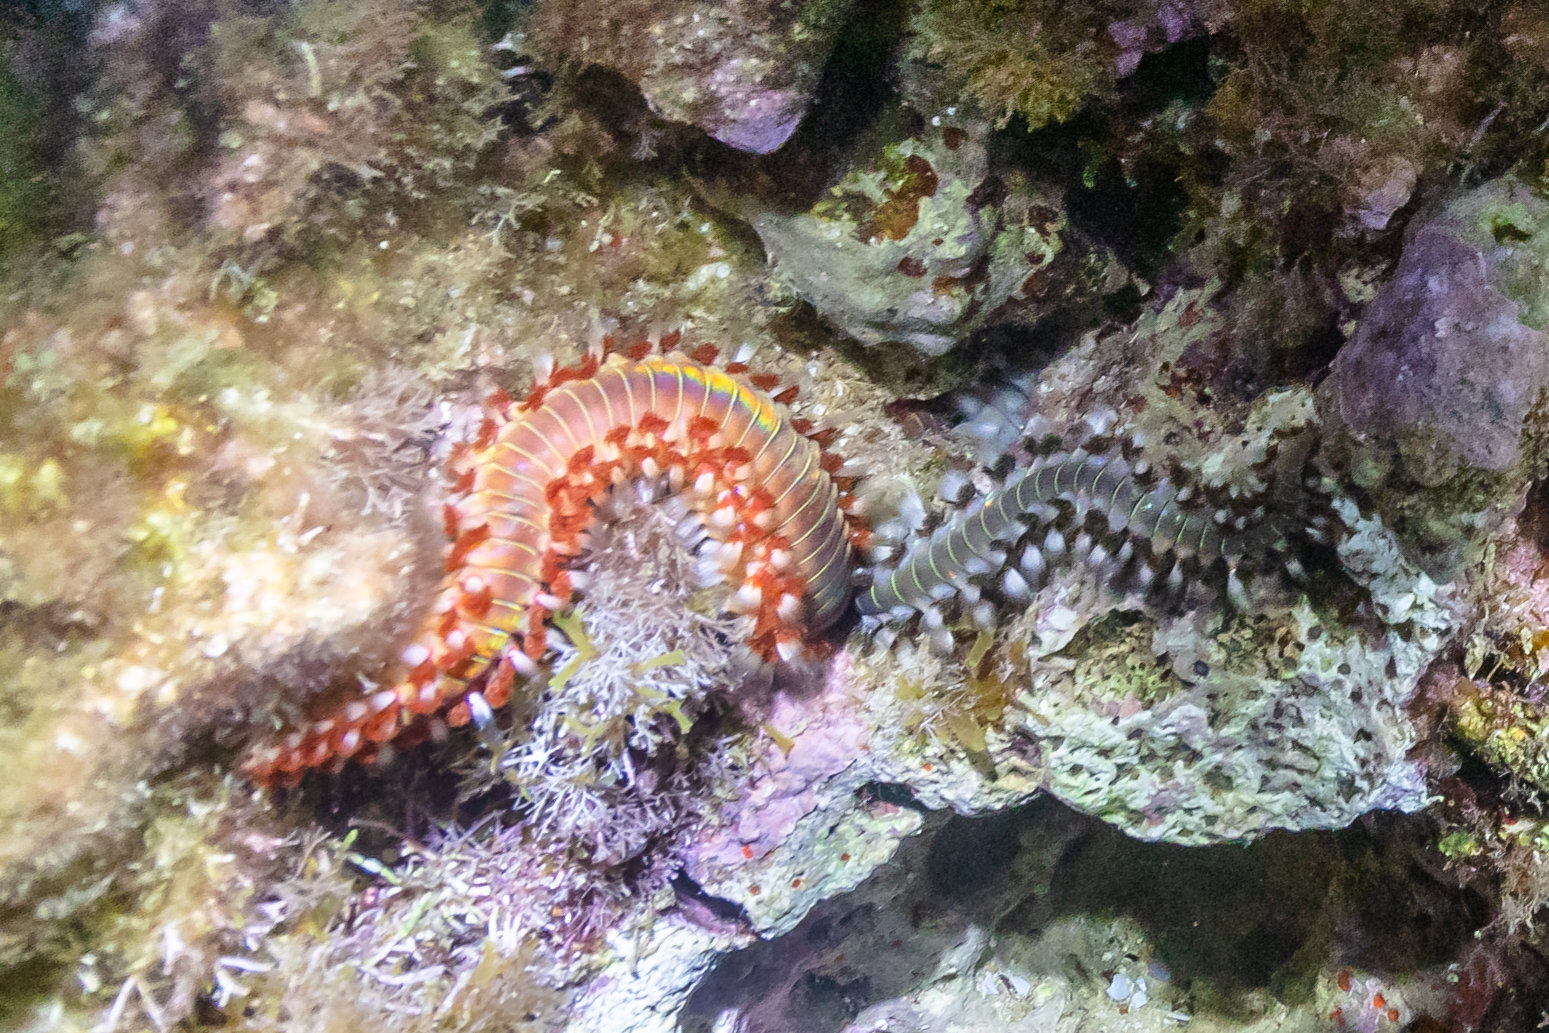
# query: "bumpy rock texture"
744, 72
922, 244
304, 240
1439, 397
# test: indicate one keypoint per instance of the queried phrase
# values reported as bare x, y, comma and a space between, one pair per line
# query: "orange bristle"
499, 401
477, 604
498, 689
788, 396
422, 674
499, 600
466, 543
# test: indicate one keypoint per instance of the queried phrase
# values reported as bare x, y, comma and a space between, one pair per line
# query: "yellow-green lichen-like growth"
1508, 733
1039, 59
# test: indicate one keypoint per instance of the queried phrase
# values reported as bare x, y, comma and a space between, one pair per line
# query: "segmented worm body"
977, 542
524, 496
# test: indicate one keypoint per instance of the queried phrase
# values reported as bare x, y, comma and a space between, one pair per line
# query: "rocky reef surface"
1265, 748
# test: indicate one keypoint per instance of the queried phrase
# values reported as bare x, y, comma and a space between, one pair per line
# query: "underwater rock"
1173, 713
1192, 734
1431, 401
1042, 60
922, 243
743, 72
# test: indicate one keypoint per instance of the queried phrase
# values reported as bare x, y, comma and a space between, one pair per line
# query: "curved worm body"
523, 500
976, 543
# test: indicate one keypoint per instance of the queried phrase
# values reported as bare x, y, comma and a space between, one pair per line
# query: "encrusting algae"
304, 247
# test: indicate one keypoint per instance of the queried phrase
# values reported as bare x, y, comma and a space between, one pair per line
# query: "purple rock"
742, 71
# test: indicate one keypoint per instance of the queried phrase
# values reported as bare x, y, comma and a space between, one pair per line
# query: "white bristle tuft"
747, 599
690, 529
729, 554
676, 508
955, 487
1013, 530
941, 642
1032, 564
983, 616
1102, 421
479, 710
1235, 590
1015, 586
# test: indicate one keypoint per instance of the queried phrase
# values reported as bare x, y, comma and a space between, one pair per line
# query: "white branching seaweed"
598, 761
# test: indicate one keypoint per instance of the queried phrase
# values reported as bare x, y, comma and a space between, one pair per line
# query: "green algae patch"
26, 187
